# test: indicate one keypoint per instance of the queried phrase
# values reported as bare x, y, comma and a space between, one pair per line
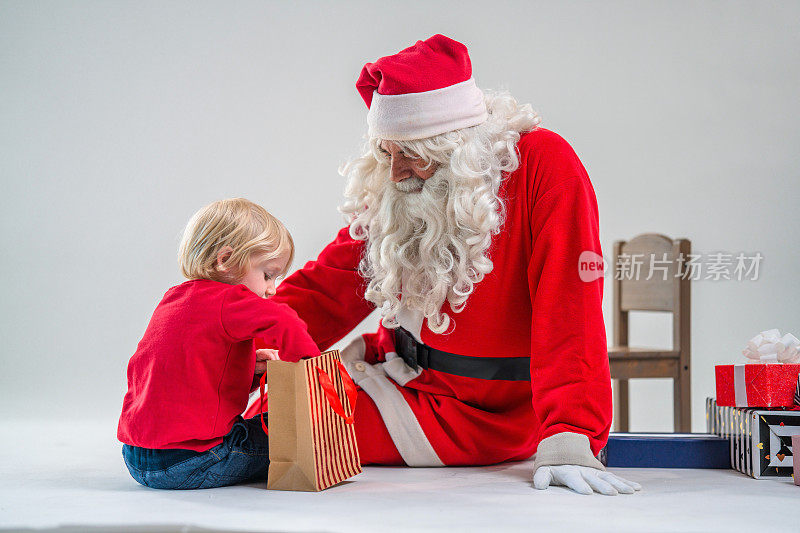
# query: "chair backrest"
650, 274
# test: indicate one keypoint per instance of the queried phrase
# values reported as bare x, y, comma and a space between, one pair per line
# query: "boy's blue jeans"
242, 456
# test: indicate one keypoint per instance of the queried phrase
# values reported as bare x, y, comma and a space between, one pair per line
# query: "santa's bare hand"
583, 480
264, 355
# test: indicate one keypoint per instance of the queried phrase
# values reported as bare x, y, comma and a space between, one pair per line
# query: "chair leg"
621, 405
682, 403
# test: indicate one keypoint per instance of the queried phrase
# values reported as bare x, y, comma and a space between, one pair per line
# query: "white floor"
71, 476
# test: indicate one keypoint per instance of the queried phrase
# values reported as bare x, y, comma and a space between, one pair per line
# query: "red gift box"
757, 385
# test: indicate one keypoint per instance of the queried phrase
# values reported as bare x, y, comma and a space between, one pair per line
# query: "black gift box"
760, 440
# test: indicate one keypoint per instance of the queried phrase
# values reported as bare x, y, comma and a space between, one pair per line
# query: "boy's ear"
223, 255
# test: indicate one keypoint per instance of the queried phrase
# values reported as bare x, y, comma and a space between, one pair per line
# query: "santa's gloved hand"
583, 480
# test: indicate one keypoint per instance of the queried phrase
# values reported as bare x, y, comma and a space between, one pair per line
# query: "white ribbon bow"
770, 347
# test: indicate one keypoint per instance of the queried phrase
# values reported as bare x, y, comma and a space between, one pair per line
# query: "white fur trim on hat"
403, 117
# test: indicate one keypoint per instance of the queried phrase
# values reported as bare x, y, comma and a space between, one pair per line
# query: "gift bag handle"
333, 398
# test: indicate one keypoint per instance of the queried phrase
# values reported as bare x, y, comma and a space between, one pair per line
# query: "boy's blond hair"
246, 227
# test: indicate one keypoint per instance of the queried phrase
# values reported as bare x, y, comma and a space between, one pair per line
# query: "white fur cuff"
565, 449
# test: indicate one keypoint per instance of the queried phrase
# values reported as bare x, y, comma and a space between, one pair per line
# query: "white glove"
583, 480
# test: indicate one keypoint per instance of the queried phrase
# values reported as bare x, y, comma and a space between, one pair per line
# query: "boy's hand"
264, 355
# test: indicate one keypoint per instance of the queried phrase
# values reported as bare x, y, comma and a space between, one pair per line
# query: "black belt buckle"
413, 353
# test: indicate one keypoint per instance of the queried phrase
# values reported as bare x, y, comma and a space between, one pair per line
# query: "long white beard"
429, 244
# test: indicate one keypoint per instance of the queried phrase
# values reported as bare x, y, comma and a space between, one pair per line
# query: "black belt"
415, 354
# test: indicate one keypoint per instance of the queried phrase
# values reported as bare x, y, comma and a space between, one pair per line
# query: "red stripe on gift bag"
348, 458
323, 423
350, 451
333, 420
324, 466
341, 425
339, 435
335, 449
353, 459
328, 473
314, 403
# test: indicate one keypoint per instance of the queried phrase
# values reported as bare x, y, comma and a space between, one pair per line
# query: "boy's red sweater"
192, 371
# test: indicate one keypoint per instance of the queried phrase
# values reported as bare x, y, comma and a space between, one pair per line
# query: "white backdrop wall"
119, 120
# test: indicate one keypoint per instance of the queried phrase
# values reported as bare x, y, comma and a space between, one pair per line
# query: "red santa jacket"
533, 304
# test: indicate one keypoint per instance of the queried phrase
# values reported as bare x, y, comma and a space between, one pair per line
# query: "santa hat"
422, 91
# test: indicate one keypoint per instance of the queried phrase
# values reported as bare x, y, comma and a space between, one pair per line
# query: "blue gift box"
666, 450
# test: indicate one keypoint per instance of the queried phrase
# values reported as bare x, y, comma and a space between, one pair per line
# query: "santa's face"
428, 228
427, 245
408, 172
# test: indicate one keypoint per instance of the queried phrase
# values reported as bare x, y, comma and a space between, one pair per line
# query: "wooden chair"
637, 293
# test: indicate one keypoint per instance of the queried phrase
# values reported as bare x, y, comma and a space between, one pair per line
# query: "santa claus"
466, 222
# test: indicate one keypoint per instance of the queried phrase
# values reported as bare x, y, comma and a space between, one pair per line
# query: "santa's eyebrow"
409, 153
403, 151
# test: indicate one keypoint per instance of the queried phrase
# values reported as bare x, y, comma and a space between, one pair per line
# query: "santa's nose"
399, 171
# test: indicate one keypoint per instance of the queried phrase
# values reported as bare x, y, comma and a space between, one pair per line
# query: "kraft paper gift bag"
312, 439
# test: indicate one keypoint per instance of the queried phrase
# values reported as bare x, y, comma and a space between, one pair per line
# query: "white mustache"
413, 184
